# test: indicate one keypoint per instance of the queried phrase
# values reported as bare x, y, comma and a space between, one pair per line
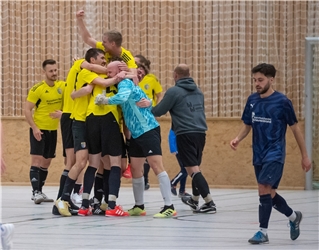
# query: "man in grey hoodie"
185, 102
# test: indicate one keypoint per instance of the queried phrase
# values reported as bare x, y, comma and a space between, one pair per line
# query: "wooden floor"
234, 223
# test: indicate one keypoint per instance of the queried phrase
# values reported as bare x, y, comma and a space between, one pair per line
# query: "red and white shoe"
117, 211
127, 173
83, 211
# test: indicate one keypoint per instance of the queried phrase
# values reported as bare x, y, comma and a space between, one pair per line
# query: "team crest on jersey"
146, 86
83, 144
59, 91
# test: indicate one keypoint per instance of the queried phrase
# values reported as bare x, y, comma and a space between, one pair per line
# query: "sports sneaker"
127, 173
38, 198
294, 226
147, 186
166, 212
6, 235
83, 211
259, 238
55, 211
63, 207
173, 190
208, 208
94, 201
180, 195
117, 211
190, 202
76, 198
97, 210
104, 206
46, 199
136, 211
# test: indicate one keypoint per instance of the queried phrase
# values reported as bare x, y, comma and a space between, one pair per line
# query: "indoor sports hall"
220, 41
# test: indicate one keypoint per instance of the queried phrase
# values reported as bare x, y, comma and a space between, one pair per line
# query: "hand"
101, 99
306, 164
75, 58
234, 143
37, 134
120, 76
144, 103
56, 114
135, 80
123, 67
80, 14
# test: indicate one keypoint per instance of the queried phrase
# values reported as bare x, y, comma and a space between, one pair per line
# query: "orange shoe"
83, 211
127, 173
117, 211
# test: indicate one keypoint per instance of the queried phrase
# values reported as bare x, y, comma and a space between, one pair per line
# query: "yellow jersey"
125, 55
47, 99
80, 105
70, 86
103, 109
151, 87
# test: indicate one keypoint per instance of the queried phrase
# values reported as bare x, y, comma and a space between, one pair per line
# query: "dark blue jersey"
269, 118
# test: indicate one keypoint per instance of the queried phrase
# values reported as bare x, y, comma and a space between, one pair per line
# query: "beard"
264, 89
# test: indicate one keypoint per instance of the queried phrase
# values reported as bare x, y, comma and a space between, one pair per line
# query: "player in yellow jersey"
111, 43
153, 89
85, 81
45, 98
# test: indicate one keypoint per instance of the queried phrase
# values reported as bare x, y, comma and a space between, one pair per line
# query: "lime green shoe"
167, 212
136, 211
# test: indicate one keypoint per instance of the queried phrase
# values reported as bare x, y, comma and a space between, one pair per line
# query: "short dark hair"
114, 36
143, 67
265, 68
93, 52
48, 61
144, 61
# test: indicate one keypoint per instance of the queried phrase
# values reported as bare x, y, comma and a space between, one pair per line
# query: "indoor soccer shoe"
259, 238
185, 194
97, 210
83, 211
127, 173
55, 211
46, 198
136, 211
38, 198
7, 231
208, 208
166, 212
63, 207
190, 202
117, 211
294, 226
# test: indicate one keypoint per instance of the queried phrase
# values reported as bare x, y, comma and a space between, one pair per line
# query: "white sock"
263, 230
293, 216
138, 190
165, 187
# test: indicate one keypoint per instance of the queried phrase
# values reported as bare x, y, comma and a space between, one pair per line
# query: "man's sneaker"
38, 198
97, 210
147, 186
117, 211
83, 211
76, 198
173, 190
94, 201
55, 211
208, 208
136, 211
63, 207
180, 195
46, 199
166, 212
190, 202
127, 173
294, 226
6, 235
259, 238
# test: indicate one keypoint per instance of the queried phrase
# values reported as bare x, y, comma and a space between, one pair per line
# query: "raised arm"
93, 67
86, 36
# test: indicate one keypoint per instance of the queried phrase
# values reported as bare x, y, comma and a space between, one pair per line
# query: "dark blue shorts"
269, 173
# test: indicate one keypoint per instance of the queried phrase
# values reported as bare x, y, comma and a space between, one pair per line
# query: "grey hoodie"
185, 102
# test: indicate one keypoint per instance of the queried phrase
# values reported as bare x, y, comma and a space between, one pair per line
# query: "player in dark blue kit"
267, 113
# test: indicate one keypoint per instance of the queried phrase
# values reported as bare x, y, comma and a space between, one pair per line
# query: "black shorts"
147, 144
190, 148
66, 132
104, 135
79, 135
124, 150
269, 173
47, 146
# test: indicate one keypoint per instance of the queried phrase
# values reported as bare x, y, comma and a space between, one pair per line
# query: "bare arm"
106, 82
305, 162
94, 67
159, 97
28, 115
86, 36
241, 135
82, 91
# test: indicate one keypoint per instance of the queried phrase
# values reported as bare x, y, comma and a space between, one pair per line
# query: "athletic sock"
98, 187
280, 204
88, 181
165, 187
265, 207
138, 190
106, 175
200, 183
67, 190
63, 177
77, 188
34, 178
115, 181
43, 173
